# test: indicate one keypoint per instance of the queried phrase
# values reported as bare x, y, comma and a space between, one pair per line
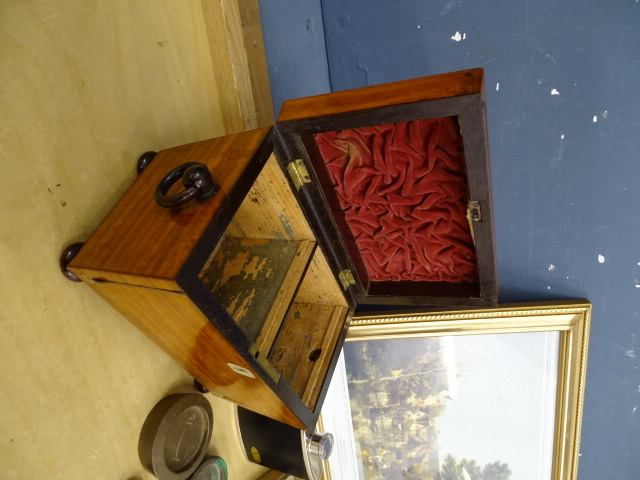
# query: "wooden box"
252, 289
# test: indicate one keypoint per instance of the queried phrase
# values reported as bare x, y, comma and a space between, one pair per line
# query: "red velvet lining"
403, 190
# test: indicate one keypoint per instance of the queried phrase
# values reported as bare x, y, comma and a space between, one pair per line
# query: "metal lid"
175, 436
212, 468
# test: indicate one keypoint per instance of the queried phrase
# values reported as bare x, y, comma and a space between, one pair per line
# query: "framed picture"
492, 394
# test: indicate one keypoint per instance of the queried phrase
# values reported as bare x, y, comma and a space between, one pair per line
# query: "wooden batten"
237, 50
306, 345
318, 376
320, 284
285, 295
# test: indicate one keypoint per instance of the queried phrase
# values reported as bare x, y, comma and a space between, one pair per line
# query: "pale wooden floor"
86, 87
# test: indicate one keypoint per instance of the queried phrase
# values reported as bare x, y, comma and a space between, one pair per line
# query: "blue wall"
295, 44
563, 101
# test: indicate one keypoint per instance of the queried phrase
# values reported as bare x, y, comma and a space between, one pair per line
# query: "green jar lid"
211, 468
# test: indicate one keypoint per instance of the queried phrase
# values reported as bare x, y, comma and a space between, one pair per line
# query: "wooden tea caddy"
251, 284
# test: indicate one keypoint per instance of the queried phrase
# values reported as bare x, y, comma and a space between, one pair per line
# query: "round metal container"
175, 436
212, 468
282, 447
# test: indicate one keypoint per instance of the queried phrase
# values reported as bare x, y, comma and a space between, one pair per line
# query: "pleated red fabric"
403, 189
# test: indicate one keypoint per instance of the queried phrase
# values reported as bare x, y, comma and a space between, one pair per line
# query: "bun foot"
199, 387
66, 257
144, 161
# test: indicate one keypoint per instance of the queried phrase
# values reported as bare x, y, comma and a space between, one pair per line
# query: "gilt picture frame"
482, 394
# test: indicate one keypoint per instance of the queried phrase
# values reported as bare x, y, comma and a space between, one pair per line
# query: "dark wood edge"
189, 281
316, 211
474, 127
321, 178
442, 107
445, 302
470, 111
332, 366
415, 289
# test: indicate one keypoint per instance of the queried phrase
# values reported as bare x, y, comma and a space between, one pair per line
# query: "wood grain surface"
141, 242
270, 210
235, 36
447, 85
176, 325
305, 346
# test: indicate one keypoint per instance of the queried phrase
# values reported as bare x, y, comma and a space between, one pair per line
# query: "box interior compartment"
274, 281
399, 195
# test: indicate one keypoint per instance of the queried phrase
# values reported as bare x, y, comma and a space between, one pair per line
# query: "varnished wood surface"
141, 239
88, 86
447, 85
173, 323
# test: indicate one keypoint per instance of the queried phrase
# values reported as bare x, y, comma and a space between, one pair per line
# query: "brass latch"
474, 214
346, 278
298, 173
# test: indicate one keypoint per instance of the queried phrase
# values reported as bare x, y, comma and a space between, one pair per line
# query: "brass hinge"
473, 211
346, 278
264, 363
298, 173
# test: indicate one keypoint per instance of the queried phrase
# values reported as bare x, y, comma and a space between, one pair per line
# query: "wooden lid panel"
447, 85
403, 169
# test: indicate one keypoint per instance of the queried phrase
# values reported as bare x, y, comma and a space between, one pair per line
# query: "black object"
175, 436
144, 160
200, 387
65, 258
197, 180
282, 447
212, 468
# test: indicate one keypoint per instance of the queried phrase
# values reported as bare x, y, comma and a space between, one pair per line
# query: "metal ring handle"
197, 181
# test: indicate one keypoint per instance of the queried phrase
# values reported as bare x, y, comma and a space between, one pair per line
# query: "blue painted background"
563, 101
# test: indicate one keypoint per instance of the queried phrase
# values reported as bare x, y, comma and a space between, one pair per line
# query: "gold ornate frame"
571, 319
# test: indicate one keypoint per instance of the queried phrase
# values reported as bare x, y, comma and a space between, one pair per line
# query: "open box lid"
399, 175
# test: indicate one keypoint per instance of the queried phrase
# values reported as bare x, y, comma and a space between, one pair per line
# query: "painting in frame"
483, 394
